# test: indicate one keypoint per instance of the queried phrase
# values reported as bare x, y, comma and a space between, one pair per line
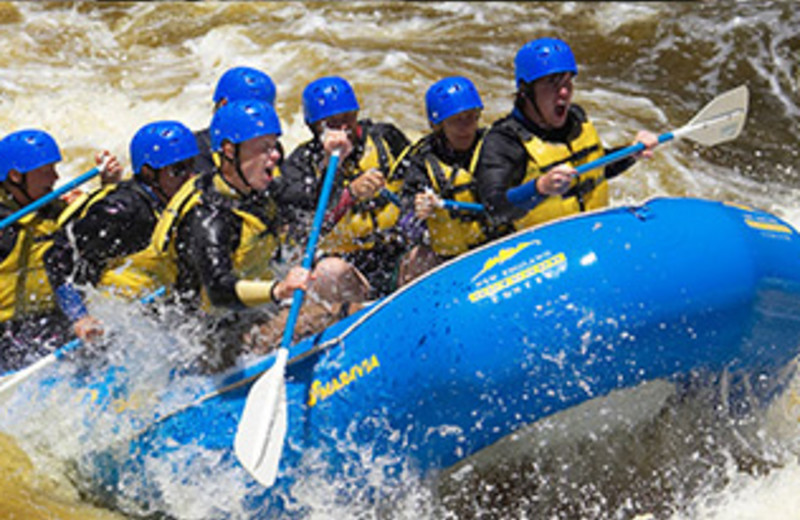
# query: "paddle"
721, 120
262, 429
13, 380
38, 203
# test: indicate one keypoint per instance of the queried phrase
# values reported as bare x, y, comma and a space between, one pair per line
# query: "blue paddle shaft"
38, 203
393, 198
67, 348
520, 195
464, 206
150, 298
311, 247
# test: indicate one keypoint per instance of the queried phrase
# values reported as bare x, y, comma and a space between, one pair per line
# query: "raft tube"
504, 336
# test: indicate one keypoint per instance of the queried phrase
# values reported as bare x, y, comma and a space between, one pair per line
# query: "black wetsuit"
26, 339
210, 233
207, 237
503, 161
412, 169
117, 225
300, 185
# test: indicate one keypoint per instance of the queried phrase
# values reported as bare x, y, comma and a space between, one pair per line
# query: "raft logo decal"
503, 256
557, 261
320, 392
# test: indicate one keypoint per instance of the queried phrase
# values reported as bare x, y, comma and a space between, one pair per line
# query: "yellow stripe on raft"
739, 206
768, 226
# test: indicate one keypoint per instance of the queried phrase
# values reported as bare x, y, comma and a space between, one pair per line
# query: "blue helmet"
450, 96
542, 57
325, 97
160, 144
27, 150
244, 83
243, 120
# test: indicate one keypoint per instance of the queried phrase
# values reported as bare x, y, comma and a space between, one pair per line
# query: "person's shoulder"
195, 193
121, 199
505, 128
419, 153
379, 126
505, 124
126, 188
421, 147
384, 129
211, 207
303, 152
301, 162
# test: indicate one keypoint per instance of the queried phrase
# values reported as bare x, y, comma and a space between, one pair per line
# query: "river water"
92, 74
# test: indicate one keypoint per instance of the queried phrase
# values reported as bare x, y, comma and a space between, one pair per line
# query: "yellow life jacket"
452, 233
589, 191
130, 276
24, 287
258, 241
357, 228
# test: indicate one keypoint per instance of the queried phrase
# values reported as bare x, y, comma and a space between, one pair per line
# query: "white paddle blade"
720, 120
9, 384
266, 472
259, 437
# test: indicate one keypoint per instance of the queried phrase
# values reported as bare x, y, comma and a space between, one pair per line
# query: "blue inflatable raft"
503, 336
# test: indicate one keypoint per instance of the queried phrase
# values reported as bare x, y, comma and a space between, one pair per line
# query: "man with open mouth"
541, 142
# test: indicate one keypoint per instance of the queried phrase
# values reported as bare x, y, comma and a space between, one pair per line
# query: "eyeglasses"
269, 149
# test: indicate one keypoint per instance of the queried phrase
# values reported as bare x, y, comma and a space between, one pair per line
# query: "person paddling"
222, 234
31, 325
542, 140
358, 226
105, 234
440, 166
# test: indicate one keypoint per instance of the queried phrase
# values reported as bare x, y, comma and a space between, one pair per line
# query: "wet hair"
525, 90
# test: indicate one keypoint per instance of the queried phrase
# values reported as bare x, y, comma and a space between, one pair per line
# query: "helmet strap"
155, 184
527, 91
237, 164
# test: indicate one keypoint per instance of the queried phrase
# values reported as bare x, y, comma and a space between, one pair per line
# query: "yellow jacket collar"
225, 188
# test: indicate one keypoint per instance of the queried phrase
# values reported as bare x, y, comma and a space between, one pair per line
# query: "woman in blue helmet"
359, 224
30, 323
221, 232
543, 140
440, 166
112, 226
235, 84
